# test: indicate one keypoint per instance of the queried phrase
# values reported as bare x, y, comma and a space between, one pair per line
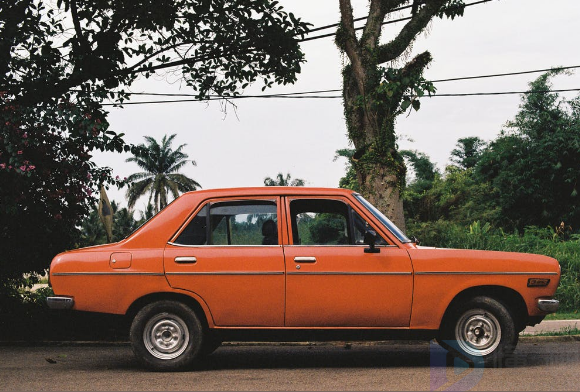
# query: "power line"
339, 90
281, 96
354, 20
382, 24
505, 74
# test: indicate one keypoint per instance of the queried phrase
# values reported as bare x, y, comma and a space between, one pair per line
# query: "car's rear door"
331, 281
229, 253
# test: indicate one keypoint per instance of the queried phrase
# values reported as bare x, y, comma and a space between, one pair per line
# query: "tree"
217, 45
375, 95
60, 60
284, 181
93, 232
160, 176
467, 152
534, 162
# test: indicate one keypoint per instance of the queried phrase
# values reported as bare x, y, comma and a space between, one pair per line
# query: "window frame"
208, 204
351, 208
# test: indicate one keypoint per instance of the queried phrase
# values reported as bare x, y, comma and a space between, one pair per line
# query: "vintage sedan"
298, 263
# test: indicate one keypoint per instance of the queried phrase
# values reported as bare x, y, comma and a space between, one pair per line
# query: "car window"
327, 222
360, 227
252, 222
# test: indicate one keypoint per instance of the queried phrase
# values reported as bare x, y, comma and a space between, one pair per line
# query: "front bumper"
548, 305
59, 303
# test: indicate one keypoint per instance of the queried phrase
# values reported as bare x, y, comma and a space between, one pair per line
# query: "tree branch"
377, 11
420, 20
85, 45
346, 40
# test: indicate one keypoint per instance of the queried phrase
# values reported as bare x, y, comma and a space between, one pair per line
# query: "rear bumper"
548, 305
60, 302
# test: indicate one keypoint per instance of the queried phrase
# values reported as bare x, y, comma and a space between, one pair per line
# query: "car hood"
428, 259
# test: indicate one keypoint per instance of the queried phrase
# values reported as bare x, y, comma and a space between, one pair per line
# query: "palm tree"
160, 175
283, 181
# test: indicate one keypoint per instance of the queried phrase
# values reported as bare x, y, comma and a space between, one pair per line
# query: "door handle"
185, 260
305, 259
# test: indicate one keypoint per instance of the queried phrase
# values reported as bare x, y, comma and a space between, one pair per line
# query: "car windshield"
386, 221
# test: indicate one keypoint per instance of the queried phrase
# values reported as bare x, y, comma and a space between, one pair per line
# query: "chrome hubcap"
478, 332
166, 336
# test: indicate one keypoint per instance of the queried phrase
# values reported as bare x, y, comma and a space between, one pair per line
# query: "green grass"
564, 316
567, 331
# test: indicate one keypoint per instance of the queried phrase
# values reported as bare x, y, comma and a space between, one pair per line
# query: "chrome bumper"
548, 305
58, 303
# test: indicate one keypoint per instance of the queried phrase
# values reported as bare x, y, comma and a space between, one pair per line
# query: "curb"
527, 339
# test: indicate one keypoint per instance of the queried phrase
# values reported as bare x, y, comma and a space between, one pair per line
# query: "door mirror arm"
370, 239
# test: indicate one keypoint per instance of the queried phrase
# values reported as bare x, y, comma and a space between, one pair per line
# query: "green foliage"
452, 9
124, 223
160, 176
60, 60
546, 241
456, 195
284, 181
534, 163
467, 152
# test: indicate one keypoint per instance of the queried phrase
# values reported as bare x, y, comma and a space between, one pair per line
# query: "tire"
166, 336
482, 330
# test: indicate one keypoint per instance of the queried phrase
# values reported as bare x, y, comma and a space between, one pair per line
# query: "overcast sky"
300, 136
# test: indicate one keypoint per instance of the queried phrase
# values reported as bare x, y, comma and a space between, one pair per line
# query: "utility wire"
383, 24
339, 90
273, 96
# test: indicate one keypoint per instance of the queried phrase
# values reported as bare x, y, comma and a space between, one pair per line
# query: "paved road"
544, 366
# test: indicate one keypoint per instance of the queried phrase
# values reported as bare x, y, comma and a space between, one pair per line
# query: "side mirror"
370, 239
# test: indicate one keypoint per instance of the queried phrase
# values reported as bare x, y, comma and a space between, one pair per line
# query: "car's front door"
331, 281
229, 253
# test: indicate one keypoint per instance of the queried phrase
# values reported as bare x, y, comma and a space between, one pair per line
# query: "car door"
229, 253
331, 281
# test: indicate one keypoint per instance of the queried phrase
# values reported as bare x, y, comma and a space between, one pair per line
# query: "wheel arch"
510, 298
193, 303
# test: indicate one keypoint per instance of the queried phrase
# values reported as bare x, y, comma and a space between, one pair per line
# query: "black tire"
166, 336
481, 330
210, 344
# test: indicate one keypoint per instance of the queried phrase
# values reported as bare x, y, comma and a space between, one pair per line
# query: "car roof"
270, 190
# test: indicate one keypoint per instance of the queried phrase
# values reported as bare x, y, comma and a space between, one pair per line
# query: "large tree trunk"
379, 186
374, 95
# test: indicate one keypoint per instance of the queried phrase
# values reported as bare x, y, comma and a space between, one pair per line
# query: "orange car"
298, 263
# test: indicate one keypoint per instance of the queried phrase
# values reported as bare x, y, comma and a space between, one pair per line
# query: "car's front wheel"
166, 336
480, 330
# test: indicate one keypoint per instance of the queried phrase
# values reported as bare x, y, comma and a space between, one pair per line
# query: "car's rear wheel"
480, 330
166, 336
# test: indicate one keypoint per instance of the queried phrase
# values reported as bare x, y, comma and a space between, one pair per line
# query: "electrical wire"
339, 90
274, 96
383, 24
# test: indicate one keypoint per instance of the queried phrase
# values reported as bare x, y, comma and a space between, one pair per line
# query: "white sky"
300, 137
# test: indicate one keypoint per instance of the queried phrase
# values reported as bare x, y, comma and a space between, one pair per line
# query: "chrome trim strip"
482, 273
107, 273
352, 273
339, 246
223, 246
228, 273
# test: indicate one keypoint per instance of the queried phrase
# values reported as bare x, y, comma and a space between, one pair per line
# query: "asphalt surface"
534, 366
